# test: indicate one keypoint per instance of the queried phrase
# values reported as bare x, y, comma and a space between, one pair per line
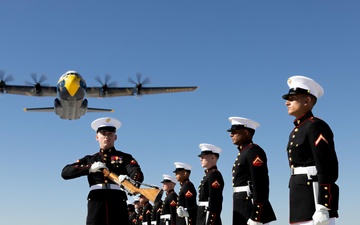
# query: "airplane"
70, 92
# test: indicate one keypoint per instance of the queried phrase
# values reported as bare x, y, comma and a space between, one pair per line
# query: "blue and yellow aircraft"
70, 102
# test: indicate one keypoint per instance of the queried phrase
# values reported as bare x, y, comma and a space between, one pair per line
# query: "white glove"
252, 222
181, 212
96, 166
123, 177
321, 215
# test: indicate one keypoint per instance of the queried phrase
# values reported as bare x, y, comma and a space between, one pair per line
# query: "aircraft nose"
72, 84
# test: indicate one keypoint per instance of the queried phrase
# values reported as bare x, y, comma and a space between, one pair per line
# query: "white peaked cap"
181, 165
128, 202
209, 148
105, 122
237, 122
168, 178
305, 83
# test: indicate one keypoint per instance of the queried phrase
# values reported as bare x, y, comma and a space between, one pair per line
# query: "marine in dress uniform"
155, 216
187, 206
312, 158
168, 212
138, 210
132, 213
106, 201
147, 210
211, 187
250, 176
140, 216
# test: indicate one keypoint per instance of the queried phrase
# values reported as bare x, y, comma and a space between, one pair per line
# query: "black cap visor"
294, 91
106, 129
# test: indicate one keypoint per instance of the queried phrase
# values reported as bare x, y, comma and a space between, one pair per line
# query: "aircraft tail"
45, 109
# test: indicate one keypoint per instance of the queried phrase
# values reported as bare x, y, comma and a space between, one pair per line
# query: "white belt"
165, 216
241, 189
309, 170
153, 222
202, 203
105, 186
144, 223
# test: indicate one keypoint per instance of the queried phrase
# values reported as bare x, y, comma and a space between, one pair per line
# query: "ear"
96, 137
307, 100
115, 137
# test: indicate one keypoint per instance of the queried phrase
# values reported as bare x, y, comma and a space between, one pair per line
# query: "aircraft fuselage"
71, 89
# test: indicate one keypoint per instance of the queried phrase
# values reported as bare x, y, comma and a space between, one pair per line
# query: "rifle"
154, 194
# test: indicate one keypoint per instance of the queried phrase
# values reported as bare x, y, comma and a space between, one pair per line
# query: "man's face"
137, 204
143, 200
180, 175
238, 136
106, 139
207, 161
168, 186
297, 104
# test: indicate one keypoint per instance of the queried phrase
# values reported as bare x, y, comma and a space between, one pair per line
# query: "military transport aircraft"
71, 91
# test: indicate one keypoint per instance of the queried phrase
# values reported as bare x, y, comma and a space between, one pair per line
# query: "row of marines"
312, 159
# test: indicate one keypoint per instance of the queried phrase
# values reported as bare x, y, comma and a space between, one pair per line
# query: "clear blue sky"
239, 53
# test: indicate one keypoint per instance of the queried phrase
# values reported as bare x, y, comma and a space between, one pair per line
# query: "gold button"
290, 159
291, 143
257, 212
290, 151
296, 130
326, 196
308, 183
293, 136
297, 145
325, 188
326, 204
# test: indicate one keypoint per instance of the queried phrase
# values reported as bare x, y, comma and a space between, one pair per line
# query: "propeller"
4, 80
139, 84
37, 83
105, 85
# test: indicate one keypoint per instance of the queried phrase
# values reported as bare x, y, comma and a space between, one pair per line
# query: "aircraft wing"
129, 91
109, 92
163, 90
31, 90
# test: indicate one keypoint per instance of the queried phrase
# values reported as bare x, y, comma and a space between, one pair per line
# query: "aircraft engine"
139, 84
105, 84
37, 90
3, 81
